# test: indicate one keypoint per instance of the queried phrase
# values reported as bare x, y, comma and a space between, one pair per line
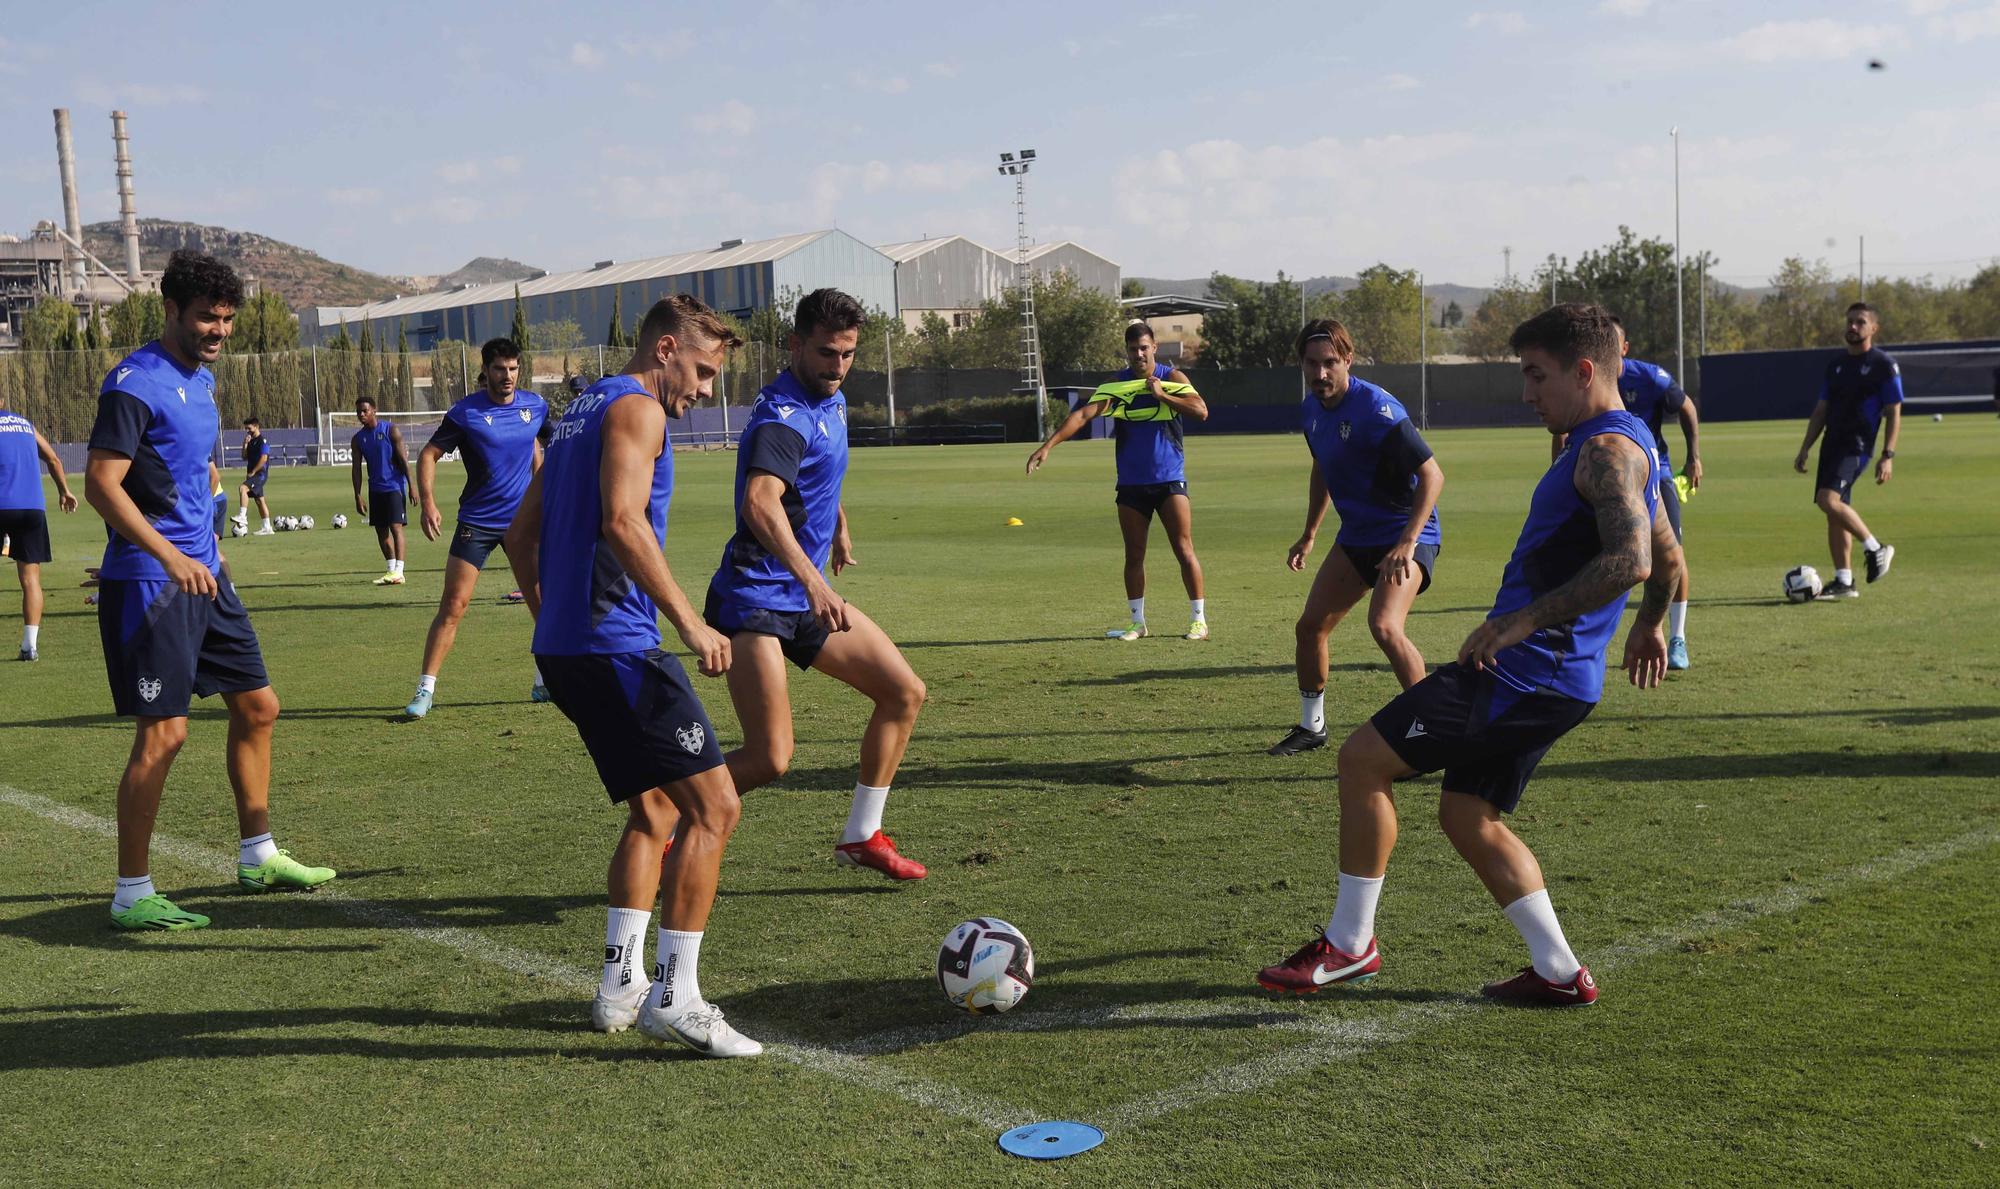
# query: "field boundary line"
843, 1066
1341, 1039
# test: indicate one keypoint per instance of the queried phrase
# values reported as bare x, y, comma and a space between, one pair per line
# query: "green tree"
1978, 313
93, 329
1384, 313
48, 325
1258, 329
406, 381
1801, 309
614, 335
519, 333
1078, 327
136, 320
341, 341
1509, 304
1452, 318
1131, 287
564, 335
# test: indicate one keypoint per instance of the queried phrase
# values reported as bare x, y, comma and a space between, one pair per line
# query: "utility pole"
1864, 268
1423, 357
1507, 264
1680, 299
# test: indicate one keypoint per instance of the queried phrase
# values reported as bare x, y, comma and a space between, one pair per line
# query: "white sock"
538, 674
1535, 917
864, 816
624, 949
427, 684
130, 891
251, 852
1196, 606
1844, 576
396, 565
1138, 607
1871, 544
1677, 620
1353, 920
1312, 711
675, 985
30, 634
267, 522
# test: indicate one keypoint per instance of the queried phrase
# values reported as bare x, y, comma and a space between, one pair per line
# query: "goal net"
337, 430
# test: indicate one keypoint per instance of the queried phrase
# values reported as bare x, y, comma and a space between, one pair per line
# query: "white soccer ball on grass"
340, 520
1802, 584
306, 522
985, 966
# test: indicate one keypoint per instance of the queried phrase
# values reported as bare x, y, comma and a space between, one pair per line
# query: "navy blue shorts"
1839, 473
1670, 499
1485, 734
470, 542
27, 533
638, 716
387, 507
1367, 562
1147, 497
800, 636
256, 482
221, 514
163, 647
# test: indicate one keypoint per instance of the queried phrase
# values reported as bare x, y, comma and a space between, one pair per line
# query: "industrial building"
1090, 270
951, 277
52, 261
734, 277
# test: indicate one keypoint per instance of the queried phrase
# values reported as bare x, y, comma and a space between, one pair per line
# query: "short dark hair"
1330, 329
192, 276
1867, 309
681, 313
252, 421
365, 400
493, 349
1138, 330
1571, 331
828, 309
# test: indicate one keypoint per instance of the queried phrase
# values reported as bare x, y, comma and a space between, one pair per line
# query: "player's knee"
257, 711
1464, 820
161, 740
1388, 632
1356, 755
907, 698
1827, 499
766, 763
715, 813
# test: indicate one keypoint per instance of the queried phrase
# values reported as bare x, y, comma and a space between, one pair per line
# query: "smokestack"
66, 160
128, 211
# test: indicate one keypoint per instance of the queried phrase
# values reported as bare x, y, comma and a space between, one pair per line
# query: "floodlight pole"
1031, 353
1680, 300
1423, 358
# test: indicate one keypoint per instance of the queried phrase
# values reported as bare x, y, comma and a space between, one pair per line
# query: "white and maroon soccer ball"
340, 520
1802, 584
985, 966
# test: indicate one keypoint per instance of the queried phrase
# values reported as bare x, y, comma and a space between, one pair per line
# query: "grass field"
1781, 866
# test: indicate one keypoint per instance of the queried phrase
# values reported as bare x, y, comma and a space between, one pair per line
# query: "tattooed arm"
1612, 473
1645, 646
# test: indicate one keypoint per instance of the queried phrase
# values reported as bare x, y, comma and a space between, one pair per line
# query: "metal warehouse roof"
911, 249
755, 252
1040, 250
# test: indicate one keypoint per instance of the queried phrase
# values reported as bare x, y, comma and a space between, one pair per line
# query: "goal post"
337, 430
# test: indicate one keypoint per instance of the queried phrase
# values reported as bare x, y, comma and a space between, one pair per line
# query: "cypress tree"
519, 333
615, 336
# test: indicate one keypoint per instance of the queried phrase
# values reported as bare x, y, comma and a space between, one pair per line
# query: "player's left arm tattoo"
1665, 577
1611, 474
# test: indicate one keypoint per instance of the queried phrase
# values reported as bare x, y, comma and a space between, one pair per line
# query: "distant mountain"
481, 270
300, 275
1442, 294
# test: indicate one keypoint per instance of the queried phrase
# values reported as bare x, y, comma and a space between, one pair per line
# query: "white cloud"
733, 118
583, 53
941, 70
670, 45
1978, 22
1500, 22
1402, 82
1818, 40
894, 84
507, 167
458, 173
355, 196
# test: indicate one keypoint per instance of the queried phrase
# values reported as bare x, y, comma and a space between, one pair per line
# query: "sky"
1177, 140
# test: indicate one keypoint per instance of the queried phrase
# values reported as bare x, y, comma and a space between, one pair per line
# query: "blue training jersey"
377, 451
1856, 390
254, 449
1148, 451
20, 465
1559, 537
497, 444
163, 418
590, 605
1369, 452
802, 441
1649, 393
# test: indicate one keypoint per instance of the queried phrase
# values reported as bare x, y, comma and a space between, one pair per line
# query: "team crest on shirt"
526, 416
149, 688
1346, 427
691, 738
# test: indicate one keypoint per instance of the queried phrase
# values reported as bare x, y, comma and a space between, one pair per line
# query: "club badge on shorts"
691, 738
149, 688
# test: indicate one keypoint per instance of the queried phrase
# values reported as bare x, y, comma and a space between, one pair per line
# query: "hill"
480, 270
1442, 293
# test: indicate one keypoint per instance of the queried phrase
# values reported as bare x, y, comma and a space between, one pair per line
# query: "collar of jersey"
157, 351
787, 385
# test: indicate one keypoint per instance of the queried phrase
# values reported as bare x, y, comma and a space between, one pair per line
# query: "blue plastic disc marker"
1051, 1141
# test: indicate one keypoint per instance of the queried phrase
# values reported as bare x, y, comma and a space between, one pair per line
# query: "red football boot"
878, 852
1530, 989
1318, 964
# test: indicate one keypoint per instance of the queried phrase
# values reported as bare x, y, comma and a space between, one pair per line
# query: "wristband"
1887, 455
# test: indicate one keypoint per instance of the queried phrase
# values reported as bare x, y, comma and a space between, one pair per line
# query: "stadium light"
1031, 351
1680, 300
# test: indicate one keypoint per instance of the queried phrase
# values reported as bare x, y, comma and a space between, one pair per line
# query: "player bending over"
172, 626
24, 517
498, 432
1527, 675
1863, 388
1152, 474
378, 449
1370, 463
590, 534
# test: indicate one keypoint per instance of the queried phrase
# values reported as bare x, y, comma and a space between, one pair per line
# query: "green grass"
1775, 1008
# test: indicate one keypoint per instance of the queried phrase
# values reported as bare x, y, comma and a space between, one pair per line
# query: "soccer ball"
1802, 584
340, 520
305, 522
238, 529
985, 966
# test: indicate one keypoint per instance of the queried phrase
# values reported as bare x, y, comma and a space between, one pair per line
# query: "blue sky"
1177, 140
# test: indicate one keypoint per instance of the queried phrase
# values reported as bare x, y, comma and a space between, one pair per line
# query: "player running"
1370, 463
1523, 678
589, 536
499, 432
1863, 388
172, 626
378, 448
256, 469
24, 518
1152, 474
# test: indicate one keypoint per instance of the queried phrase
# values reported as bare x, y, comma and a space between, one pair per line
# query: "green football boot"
281, 871
157, 912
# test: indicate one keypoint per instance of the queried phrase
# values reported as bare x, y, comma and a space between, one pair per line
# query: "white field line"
1339, 1039
846, 1067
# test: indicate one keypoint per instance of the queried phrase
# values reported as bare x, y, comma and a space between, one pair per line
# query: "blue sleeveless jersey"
164, 419
1649, 393
377, 451
20, 464
1368, 452
590, 605
1558, 539
497, 444
1149, 451
804, 442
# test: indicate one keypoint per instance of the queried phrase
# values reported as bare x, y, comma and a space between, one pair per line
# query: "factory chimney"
66, 160
128, 211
